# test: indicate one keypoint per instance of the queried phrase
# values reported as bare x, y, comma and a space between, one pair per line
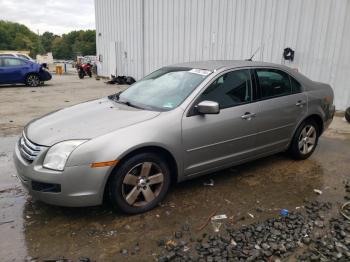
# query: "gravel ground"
20, 104
314, 234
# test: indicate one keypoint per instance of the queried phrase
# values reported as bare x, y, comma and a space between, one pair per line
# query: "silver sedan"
177, 123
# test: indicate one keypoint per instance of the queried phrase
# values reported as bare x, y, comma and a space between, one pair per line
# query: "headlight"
58, 154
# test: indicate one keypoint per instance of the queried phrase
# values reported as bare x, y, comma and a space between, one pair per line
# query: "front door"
219, 140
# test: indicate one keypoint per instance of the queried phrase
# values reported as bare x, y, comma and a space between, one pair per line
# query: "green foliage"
74, 43
14, 36
46, 41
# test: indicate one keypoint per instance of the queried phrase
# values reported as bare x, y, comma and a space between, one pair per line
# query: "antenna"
251, 58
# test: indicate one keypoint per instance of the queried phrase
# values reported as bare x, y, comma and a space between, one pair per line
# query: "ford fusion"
177, 123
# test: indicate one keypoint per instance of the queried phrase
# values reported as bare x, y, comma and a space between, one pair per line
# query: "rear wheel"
32, 80
140, 183
305, 140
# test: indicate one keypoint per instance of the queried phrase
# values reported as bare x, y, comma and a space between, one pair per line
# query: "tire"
347, 114
89, 73
131, 183
81, 74
32, 80
305, 140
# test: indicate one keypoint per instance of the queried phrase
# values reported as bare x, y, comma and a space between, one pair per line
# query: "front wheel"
32, 80
81, 74
305, 140
347, 114
140, 183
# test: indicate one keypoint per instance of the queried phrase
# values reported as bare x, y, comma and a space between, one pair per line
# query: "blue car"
14, 70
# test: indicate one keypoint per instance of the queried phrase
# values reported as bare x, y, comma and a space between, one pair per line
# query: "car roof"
213, 65
8, 55
15, 57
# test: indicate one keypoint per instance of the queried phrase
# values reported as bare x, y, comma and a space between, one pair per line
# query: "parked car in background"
14, 70
26, 57
177, 123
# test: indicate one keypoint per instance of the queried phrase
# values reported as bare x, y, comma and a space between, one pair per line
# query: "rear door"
213, 141
282, 104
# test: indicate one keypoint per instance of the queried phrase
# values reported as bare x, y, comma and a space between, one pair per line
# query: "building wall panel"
155, 33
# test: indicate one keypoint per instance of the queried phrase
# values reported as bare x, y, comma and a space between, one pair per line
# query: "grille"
29, 150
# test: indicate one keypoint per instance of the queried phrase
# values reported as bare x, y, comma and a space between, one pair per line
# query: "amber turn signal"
102, 164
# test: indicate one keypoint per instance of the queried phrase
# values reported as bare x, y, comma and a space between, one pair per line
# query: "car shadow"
22, 85
221, 177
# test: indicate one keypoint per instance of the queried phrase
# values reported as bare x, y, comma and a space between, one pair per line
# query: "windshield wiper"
115, 98
128, 104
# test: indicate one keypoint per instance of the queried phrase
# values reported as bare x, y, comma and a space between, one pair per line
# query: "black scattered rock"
84, 259
321, 238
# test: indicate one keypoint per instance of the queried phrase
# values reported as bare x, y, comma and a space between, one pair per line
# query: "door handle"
300, 103
248, 116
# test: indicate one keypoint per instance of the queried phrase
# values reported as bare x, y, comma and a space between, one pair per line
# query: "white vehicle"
18, 55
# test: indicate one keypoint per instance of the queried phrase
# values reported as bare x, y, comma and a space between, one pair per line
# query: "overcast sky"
56, 16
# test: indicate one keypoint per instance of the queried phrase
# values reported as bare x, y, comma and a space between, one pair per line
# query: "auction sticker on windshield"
200, 71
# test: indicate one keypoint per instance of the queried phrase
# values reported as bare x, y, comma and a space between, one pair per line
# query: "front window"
230, 89
164, 89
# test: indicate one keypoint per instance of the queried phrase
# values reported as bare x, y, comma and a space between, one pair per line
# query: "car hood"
84, 121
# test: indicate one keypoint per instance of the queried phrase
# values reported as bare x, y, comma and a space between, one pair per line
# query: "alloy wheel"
307, 139
33, 80
142, 184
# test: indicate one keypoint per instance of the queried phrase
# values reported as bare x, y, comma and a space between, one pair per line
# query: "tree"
14, 36
46, 41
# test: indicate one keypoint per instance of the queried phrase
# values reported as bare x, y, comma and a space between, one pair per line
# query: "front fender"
117, 144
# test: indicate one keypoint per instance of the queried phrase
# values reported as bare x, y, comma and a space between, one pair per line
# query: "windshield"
164, 89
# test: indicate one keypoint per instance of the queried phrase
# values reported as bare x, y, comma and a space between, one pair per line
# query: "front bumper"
75, 186
45, 75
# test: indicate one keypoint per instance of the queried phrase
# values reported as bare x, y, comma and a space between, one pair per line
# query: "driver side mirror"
208, 107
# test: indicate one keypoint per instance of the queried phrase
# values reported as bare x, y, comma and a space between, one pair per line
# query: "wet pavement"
261, 188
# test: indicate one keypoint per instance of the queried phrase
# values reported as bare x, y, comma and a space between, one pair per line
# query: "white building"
135, 37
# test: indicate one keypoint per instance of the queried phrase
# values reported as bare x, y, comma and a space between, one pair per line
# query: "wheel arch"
31, 73
168, 157
318, 119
